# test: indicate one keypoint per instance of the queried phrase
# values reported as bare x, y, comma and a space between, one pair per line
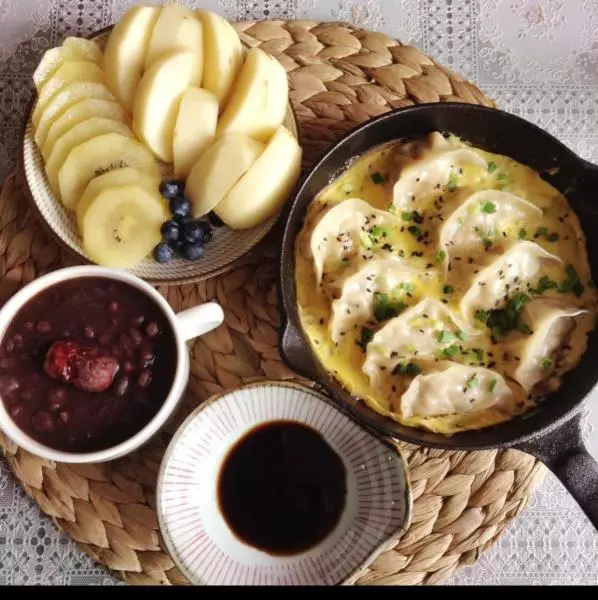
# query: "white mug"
186, 325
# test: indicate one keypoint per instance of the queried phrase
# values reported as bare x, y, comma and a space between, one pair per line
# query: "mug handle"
196, 321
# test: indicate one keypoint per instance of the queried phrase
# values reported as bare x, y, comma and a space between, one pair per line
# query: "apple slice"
79, 133
266, 186
86, 109
111, 179
259, 98
157, 101
85, 48
72, 50
67, 96
69, 72
124, 55
177, 28
97, 156
218, 169
223, 55
195, 128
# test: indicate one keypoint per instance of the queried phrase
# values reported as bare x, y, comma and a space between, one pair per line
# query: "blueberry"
179, 206
215, 220
176, 245
172, 188
193, 232
181, 220
208, 231
193, 251
163, 253
170, 231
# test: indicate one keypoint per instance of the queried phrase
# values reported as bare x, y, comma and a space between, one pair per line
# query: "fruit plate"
225, 248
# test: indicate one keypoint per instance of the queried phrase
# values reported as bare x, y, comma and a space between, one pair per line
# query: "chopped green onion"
488, 208
385, 308
472, 382
406, 215
440, 255
572, 282
452, 182
461, 335
406, 369
545, 363
377, 178
365, 337
450, 351
445, 336
482, 315
544, 284
492, 385
522, 234
366, 240
378, 231
492, 166
541, 231
478, 353
414, 230
553, 237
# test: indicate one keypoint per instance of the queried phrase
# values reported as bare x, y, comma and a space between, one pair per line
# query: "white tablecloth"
536, 58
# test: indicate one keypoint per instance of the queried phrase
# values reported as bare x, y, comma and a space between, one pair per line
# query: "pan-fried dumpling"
505, 276
380, 290
420, 178
339, 234
457, 389
551, 321
418, 332
479, 224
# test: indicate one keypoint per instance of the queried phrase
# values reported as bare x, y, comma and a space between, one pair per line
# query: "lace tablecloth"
536, 58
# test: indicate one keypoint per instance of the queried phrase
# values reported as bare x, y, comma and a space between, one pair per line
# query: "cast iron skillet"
550, 432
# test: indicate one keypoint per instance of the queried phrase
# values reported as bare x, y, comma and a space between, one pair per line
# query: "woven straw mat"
339, 76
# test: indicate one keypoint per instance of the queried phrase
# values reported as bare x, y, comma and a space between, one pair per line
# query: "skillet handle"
562, 450
295, 352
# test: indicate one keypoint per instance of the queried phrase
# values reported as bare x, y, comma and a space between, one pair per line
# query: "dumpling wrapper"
356, 302
420, 177
503, 277
457, 389
551, 320
463, 231
413, 334
345, 220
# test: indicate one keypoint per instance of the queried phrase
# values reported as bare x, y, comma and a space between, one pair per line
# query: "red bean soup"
86, 363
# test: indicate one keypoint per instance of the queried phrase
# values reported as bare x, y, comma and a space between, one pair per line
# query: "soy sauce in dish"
282, 488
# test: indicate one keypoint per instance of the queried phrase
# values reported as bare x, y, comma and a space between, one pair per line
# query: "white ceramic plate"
377, 508
224, 249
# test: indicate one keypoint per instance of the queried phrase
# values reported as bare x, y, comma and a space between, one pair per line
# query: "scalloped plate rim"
383, 546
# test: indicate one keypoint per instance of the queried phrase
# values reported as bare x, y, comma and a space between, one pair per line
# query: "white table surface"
536, 58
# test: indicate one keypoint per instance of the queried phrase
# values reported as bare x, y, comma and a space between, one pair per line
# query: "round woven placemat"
339, 76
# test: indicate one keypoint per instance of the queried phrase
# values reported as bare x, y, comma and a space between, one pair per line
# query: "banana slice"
112, 179
69, 95
67, 73
100, 155
79, 133
82, 111
122, 225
